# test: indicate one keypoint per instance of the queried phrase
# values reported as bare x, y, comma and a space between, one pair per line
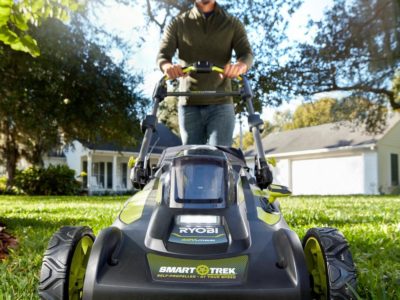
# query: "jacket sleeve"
241, 45
169, 43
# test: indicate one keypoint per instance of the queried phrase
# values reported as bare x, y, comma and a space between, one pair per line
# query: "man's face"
205, 2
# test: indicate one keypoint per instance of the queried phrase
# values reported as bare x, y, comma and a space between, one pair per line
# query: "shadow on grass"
14, 223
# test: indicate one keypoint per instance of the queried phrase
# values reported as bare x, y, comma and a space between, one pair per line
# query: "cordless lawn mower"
202, 227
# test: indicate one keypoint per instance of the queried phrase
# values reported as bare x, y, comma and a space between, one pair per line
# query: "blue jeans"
207, 124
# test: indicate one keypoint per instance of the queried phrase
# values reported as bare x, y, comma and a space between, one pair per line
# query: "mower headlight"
198, 220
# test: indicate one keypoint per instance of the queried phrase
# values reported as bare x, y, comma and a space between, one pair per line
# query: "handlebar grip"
189, 69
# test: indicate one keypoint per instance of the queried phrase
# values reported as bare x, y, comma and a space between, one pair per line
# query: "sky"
125, 21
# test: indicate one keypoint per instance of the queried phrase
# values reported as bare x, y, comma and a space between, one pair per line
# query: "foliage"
360, 111
396, 87
248, 139
55, 180
370, 224
4, 190
16, 18
131, 162
356, 50
168, 114
312, 114
72, 91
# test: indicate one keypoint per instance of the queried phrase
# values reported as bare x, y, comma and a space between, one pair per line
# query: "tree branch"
152, 17
359, 87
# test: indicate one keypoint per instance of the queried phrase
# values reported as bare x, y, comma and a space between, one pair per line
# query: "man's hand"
172, 71
235, 70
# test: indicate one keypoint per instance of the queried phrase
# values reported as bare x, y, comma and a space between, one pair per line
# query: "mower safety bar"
141, 172
203, 67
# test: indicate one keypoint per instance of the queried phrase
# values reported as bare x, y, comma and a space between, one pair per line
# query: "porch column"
290, 175
114, 173
89, 172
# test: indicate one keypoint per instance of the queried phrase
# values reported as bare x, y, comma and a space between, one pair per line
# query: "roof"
163, 138
330, 136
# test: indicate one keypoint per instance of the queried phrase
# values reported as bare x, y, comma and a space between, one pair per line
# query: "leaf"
7, 36
24, 44
37, 5
5, 11
19, 21
31, 44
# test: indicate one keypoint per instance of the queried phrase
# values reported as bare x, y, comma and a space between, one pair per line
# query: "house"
334, 159
106, 165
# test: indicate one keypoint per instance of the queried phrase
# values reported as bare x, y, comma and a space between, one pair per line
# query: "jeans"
207, 124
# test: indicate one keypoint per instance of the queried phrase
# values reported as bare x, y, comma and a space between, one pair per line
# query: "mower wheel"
330, 264
64, 264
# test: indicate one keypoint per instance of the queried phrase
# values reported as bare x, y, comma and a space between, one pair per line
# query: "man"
205, 33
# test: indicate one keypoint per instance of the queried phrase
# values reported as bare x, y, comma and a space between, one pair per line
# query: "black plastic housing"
260, 259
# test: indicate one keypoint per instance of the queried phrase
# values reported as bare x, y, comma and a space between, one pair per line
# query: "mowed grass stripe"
370, 223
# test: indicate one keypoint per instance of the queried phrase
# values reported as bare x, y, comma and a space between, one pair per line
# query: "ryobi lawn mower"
202, 227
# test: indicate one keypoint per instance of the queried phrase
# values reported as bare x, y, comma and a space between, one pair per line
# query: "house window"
394, 167
98, 173
109, 175
124, 175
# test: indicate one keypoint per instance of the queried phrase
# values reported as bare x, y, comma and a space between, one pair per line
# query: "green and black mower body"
202, 226
198, 229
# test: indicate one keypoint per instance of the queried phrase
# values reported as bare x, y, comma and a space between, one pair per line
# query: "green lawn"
371, 225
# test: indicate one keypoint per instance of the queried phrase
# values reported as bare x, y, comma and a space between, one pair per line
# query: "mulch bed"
7, 241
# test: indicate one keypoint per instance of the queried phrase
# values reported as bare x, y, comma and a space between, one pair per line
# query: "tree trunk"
11, 152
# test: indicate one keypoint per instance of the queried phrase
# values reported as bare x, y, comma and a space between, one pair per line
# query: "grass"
371, 225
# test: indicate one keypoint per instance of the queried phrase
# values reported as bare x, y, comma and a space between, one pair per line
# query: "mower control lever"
263, 174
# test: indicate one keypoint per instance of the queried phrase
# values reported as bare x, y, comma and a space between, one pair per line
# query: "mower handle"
141, 173
203, 67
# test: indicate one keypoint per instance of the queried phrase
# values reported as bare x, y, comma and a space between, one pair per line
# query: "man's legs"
220, 124
191, 125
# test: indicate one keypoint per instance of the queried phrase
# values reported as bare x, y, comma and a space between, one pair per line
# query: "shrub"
3, 187
395, 190
55, 180
3, 182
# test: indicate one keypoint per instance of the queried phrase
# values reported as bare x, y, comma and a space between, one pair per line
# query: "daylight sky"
125, 21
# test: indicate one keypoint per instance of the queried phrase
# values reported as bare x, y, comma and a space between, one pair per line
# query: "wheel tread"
55, 267
339, 262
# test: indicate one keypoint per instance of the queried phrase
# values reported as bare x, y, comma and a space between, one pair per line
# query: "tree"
17, 17
312, 114
168, 114
73, 88
248, 139
356, 50
359, 111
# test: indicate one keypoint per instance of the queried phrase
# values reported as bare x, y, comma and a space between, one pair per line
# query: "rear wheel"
64, 263
330, 264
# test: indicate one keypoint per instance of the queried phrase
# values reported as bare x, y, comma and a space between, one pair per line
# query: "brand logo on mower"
199, 230
201, 270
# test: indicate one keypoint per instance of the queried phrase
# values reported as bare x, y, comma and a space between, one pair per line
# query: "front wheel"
330, 264
64, 263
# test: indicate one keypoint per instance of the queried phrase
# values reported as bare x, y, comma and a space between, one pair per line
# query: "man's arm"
243, 51
168, 46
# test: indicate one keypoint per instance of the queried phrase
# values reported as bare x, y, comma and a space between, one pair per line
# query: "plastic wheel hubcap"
317, 267
78, 268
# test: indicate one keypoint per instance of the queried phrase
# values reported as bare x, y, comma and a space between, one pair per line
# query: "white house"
334, 159
106, 165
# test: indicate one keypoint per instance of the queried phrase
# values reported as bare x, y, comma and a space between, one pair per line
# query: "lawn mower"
203, 226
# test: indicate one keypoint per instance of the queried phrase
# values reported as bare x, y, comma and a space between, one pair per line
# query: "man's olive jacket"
201, 38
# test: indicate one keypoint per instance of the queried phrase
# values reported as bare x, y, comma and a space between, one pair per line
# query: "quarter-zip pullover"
201, 38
